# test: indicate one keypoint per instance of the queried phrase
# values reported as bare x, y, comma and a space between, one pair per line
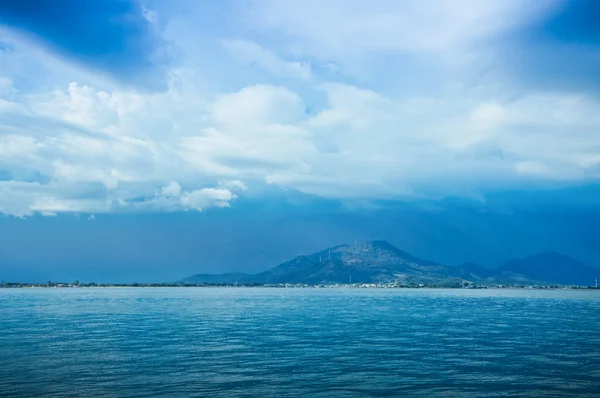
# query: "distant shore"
54, 285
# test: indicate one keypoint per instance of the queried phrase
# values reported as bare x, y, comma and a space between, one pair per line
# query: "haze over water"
138, 342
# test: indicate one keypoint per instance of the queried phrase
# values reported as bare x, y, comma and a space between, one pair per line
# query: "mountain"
549, 267
380, 262
369, 262
473, 271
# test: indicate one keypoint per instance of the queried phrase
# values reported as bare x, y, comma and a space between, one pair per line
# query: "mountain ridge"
379, 261
553, 267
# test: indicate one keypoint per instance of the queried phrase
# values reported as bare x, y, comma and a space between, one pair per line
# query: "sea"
298, 342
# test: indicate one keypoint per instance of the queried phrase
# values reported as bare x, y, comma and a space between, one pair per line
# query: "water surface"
228, 342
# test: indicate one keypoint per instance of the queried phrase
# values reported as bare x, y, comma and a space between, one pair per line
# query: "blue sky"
121, 114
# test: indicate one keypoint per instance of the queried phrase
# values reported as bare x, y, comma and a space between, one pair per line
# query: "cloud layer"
329, 103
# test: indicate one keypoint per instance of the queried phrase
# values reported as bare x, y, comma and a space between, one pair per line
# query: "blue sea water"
247, 342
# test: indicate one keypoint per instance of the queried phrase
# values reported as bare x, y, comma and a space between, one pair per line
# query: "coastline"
13, 285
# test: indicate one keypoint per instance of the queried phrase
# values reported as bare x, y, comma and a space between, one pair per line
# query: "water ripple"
298, 342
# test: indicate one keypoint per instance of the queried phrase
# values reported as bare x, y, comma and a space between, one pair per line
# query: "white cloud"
171, 189
360, 144
205, 198
12, 200
257, 106
79, 104
251, 53
353, 107
22, 199
234, 185
487, 116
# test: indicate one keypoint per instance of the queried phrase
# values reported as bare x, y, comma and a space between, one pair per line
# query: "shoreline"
291, 286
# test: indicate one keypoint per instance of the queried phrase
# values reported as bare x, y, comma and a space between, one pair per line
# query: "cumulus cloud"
205, 198
234, 185
361, 144
171, 189
256, 106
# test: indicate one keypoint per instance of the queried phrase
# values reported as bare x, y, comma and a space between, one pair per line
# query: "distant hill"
550, 267
476, 272
380, 262
219, 279
368, 262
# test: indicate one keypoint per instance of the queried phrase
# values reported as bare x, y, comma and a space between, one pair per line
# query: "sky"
149, 140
